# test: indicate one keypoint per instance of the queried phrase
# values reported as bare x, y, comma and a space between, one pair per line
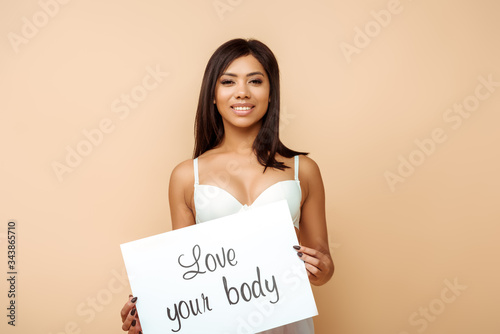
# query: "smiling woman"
242, 90
240, 162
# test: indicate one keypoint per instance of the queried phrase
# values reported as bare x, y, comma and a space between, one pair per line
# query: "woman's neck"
239, 140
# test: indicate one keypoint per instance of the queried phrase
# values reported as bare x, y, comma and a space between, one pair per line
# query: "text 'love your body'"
199, 264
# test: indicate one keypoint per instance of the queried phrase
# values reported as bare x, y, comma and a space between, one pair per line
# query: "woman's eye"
229, 82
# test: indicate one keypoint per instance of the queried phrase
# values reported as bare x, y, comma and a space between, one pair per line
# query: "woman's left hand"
319, 265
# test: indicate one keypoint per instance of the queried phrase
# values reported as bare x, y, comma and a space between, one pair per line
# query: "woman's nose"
242, 91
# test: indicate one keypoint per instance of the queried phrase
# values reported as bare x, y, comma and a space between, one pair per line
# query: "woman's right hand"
130, 318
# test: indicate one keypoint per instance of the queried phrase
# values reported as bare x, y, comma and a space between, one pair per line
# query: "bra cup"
212, 202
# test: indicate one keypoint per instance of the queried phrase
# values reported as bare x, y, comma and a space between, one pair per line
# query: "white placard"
236, 274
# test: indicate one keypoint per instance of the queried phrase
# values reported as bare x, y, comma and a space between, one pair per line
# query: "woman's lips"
242, 110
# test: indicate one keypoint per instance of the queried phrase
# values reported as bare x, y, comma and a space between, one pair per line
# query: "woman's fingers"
135, 327
318, 264
130, 320
129, 305
313, 270
129, 316
310, 259
311, 256
310, 251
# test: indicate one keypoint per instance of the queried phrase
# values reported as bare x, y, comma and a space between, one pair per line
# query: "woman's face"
242, 93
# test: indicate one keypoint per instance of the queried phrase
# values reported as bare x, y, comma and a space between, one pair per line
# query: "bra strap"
297, 167
195, 164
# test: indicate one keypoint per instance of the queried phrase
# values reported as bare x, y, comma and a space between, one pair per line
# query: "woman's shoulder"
307, 165
183, 172
309, 174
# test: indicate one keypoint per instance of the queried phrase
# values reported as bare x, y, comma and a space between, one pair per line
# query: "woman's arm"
313, 235
180, 193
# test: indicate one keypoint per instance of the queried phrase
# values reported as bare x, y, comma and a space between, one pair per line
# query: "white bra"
213, 202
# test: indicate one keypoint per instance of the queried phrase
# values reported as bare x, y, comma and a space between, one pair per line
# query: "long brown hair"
209, 128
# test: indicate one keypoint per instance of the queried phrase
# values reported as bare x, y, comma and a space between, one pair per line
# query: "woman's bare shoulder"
309, 174
183, 173
307, 165
180, 194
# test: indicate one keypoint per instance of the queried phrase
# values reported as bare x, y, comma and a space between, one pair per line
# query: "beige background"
396, 249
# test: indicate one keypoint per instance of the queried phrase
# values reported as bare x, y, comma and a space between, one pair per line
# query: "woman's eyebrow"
248, 75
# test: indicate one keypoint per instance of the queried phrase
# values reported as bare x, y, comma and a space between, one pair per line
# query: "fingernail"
296, 247
300, 254
133, 323
133, 300
133, 312
130, 295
